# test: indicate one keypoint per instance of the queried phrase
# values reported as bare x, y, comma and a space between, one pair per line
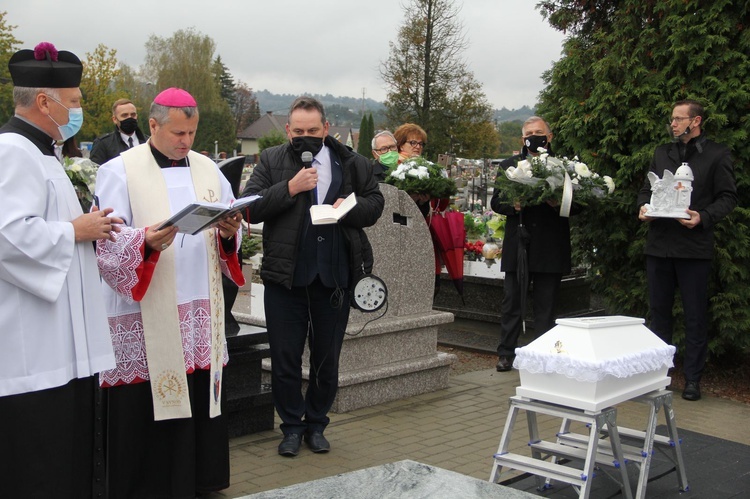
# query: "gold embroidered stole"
149, 202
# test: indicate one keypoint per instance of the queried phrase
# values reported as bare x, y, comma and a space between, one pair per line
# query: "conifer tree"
366, 132
608, 100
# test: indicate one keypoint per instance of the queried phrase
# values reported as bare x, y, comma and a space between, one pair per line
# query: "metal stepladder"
648, 440
599, 421
607, 451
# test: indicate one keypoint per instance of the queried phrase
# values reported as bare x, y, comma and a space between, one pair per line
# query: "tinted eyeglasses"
416, 143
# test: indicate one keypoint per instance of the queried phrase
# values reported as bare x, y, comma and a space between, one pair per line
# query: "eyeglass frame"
385, 149
680, 119
415, 143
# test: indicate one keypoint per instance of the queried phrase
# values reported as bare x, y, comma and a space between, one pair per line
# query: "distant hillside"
347, 111
520, 115
341, 111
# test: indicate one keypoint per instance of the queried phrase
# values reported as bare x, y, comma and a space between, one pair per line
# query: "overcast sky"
295, 47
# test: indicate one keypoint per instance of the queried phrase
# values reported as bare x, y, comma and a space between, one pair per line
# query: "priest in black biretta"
54, 334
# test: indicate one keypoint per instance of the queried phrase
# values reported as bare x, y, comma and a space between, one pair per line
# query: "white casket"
591, 363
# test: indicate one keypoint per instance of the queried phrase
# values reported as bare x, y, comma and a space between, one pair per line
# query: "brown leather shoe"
504, 364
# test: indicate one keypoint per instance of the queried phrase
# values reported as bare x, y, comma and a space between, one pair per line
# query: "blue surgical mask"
75, 120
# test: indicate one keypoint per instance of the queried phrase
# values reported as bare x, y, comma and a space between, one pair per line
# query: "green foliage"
250, 245
419, 176
9, 44
510, 137
366, 133
185, 60
216, 125
608, 100
99, 70
272, 138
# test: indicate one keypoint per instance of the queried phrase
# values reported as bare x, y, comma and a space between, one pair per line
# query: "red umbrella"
448, 236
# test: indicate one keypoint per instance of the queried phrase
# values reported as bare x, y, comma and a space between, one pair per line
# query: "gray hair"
534, 119
24, 97
308, 104
380, 133
161, 113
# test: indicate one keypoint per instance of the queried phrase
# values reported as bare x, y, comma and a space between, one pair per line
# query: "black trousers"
543, 292
665, 275
311, 315
48, 444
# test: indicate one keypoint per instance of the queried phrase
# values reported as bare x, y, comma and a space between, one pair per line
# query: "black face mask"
534, 142
128, 126
306, 143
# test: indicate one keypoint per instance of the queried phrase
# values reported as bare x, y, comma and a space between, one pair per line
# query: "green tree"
9, 45
428, 81
225, 81
186, 60
510, 137
609, 98
272, 138
366, 133
99, 72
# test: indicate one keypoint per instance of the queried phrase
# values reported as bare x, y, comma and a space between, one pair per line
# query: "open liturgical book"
197, 217
323, 214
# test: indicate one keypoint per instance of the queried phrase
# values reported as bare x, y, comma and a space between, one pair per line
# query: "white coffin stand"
578, 371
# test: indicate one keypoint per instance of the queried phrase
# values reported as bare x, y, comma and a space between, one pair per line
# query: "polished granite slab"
403, 480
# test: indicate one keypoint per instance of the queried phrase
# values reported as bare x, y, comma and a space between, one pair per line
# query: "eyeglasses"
416, 143
386, 149
680, 118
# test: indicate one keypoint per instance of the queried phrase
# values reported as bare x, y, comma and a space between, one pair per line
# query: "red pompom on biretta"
45, 50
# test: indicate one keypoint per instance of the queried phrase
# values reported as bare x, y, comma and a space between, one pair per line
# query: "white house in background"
269, 122
260, 128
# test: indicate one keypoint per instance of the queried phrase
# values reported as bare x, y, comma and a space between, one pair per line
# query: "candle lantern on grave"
670, 195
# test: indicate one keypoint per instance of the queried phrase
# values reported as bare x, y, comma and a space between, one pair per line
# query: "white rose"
582, 170
610, 183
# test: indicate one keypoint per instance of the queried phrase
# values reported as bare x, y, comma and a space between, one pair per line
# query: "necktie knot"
130, 142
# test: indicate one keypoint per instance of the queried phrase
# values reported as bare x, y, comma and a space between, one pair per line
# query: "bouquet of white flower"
544, 177
82, 174
419, 176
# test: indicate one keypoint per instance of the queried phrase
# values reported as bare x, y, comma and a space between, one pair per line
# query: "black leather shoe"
692, 391
289, 447
504, 364
317, 442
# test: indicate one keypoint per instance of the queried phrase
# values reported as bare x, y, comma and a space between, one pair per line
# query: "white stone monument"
670, 195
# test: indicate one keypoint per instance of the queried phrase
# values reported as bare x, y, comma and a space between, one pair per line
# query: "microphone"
307, 159
676, 138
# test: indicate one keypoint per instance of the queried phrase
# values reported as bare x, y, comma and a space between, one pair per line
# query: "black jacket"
714, 196
549, 246
285, 217
110, 145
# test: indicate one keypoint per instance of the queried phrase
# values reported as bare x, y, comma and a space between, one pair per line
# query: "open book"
323, 214
197, 217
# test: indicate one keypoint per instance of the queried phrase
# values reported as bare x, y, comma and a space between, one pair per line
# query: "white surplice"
53, 325
122, 265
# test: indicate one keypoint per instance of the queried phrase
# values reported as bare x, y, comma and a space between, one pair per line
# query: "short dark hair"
308, 104
696, 108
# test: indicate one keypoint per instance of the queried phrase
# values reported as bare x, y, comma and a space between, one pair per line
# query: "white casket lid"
591, 348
